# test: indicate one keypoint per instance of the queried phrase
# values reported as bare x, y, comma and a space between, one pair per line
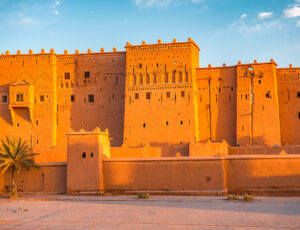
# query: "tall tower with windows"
160, 91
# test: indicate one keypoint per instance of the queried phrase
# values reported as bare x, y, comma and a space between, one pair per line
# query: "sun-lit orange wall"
289, 104
152, 94
160, 99
216, 88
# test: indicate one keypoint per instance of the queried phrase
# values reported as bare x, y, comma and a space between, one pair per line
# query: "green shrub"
143, 195
232, 197
248, 197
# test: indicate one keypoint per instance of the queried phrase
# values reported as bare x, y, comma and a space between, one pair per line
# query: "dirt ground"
159, 212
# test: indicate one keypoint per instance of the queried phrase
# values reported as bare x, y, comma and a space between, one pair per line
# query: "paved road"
126, 212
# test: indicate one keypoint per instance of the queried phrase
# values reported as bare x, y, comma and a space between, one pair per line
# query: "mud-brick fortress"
150, 119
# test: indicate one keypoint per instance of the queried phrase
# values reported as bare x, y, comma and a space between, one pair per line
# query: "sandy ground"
159, 212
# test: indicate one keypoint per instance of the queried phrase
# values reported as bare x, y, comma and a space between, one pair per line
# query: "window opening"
91, 98
67, 76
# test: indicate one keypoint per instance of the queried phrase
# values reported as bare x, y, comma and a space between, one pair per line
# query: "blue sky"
225, 30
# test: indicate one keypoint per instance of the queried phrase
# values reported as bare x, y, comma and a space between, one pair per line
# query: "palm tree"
15, 154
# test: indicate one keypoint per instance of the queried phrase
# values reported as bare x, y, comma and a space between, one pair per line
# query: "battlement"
66, 53
160, 45
240, 64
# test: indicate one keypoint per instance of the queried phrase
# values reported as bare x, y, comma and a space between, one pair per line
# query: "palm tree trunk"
13, 193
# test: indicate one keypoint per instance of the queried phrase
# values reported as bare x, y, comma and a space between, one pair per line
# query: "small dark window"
136, 96
259, 81
148, 95
168, 94
37, 122
18, 124
140, 65
19, 97
182, 93
4, 99
246, 96
83, 155
67, 76
298, 94
181, 122
91, 98
92, 154
268, 95
144, 125
299, 115
167, 123
42, 98
87, 74
72, 98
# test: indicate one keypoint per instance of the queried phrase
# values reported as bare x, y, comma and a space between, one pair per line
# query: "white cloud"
243, 28
264, 15
54, 7
292, 12
163, 3
298, 23
244, 16
196, 1
152, 3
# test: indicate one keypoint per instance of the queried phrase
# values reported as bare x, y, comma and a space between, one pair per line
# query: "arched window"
180, 77
134, 80
154, 78
174, 76
141, 79
186, 77
166, 78
147, 79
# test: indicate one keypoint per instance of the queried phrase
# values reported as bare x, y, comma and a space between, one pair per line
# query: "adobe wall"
258, 120
262, 172
135, 152
106, 82
163, 174
217, 103
289, 104
235, 173
208, 149
49, 178
34, 119
160, 98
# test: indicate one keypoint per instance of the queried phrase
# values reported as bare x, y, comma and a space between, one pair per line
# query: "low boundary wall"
49, 178
179, 175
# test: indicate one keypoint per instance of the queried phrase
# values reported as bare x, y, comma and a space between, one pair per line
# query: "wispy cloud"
243, 16
54, 7
244, 28
152, 3
264, 15
292, 12
163, 3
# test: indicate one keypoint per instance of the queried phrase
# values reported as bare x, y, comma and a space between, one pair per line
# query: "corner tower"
160, 104
258, 120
